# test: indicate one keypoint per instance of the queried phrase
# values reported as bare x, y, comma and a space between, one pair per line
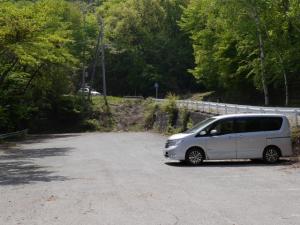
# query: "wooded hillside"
248, 51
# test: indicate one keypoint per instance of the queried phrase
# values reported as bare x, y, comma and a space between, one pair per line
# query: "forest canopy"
247, 51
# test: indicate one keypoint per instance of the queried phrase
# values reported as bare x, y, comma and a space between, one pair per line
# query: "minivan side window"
223, 127
256, 124
271, 123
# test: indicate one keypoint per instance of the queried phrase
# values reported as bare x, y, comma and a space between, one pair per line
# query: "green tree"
239, 40
146, 45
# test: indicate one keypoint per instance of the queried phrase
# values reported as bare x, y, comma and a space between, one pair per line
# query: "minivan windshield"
199, 126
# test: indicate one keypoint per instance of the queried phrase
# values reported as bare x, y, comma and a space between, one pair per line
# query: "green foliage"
227, 50
171, 109
67, 108
146, 46
39, 55
296, 135
296, 141
186, 119
46, 46
90, 125
151, 110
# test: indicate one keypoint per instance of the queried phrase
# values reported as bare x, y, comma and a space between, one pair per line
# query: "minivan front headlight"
171, 143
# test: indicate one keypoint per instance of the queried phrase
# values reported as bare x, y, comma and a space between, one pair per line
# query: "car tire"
271, 155
195, 156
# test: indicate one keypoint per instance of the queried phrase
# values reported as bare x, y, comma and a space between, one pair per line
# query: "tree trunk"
95, 61
31, 78
286, 89
283, 70
262, 58
286, 86
6, 72
103, 62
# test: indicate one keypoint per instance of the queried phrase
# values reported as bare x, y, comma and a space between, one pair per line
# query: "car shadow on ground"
232, 163
17, 166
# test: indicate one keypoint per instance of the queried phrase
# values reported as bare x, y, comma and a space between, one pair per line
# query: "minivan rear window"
254, 124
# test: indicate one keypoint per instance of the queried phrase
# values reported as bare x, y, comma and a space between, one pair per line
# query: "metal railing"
14, 134
293, 114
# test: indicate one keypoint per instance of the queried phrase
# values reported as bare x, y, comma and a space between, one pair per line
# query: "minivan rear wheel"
271, 155
194, 156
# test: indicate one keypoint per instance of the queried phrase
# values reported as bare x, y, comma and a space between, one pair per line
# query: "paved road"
121, 178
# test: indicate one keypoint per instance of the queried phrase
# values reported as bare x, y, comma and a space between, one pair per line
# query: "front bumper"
173, 152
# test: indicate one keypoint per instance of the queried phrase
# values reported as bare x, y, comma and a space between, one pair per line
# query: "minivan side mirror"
212, 132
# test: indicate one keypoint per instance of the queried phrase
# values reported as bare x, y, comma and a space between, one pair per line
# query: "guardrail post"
203, 107
217, 108
225, 109
209, 107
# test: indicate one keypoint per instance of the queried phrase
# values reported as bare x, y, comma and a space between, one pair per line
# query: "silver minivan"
235, 136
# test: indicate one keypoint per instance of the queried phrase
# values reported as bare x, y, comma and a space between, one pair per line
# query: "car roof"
248, 115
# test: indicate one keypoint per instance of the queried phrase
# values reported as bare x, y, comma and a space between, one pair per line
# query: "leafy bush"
171, 109
68, 108
186, 119
151, 109
90, 125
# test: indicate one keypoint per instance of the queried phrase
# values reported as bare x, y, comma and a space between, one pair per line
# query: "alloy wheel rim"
272, 155
195, 157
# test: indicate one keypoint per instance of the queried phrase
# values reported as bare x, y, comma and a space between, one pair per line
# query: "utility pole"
85, 7
103, 60
100, 42
83, 52
95, 60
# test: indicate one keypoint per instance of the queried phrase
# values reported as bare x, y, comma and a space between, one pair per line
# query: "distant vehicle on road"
86, 91
236, 136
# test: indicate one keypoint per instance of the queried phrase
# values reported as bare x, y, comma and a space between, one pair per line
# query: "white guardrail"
293, 114
14, 134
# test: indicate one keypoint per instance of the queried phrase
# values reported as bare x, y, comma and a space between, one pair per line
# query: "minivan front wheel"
195, 156
271, 155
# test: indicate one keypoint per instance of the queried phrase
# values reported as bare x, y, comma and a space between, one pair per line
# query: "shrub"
171, 109
296, 140
90, 125
151, 109
186, 119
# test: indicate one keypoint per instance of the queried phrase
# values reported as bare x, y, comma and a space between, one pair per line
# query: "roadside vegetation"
166, 118
296, 141
234, 51
136, 115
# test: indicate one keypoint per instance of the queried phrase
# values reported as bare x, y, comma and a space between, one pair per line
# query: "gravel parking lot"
122, 178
